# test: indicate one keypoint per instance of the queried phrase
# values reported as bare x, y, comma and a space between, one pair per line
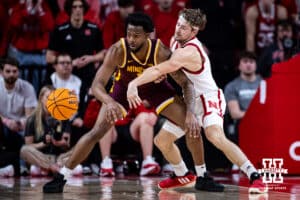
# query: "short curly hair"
195, 17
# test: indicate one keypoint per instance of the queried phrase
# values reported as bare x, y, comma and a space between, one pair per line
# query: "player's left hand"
132, 96
192, 127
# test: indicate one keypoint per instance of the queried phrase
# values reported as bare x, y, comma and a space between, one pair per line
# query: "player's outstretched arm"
113, 58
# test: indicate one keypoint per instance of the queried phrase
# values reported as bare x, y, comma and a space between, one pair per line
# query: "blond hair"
39, 112
195, 17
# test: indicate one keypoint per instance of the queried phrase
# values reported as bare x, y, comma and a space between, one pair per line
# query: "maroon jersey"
155, 93
265, 27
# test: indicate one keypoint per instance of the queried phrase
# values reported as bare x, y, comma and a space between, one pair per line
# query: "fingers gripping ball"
62, 104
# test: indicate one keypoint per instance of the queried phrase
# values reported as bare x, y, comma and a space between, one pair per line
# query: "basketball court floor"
145, 188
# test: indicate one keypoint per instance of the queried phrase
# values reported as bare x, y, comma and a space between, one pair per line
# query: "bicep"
250, 21
187, 57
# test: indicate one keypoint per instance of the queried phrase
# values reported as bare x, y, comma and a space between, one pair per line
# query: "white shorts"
210, 109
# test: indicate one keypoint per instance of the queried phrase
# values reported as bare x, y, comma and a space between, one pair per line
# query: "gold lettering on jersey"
137, 69
117, 75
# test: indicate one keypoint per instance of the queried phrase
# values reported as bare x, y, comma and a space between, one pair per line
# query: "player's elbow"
155, 72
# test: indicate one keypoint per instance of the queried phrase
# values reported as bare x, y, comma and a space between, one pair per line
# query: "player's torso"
202, 79
132, 67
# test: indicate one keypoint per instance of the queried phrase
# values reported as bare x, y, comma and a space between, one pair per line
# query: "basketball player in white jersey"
189, 56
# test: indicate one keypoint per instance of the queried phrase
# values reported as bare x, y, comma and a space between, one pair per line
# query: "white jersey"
202, 79
210, 102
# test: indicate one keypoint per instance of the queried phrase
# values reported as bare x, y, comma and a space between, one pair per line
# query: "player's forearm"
149, 75
250, 43
50, 56
187, 89
99, 57
100, 92
189, 97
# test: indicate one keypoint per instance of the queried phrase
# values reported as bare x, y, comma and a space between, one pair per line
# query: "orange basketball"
62, 104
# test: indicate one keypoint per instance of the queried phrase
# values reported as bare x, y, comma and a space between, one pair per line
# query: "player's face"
247, 66
183, 31
136, 37
10, 74
64, 65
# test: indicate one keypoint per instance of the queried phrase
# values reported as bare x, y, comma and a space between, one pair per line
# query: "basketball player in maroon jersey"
127, 59
260, 24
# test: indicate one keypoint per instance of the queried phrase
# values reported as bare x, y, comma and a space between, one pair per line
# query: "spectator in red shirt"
114, 26
164, 15
29, 26
5, 12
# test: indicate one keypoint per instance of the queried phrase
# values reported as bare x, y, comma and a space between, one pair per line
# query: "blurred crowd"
48, 44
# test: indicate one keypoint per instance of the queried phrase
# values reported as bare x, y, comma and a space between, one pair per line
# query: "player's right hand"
113, 112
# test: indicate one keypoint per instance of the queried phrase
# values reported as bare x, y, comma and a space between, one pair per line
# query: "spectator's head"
267, 2
165, 4
10, 71
126, 7
138, 28
284, 29
247, 63
189, 23
63, 66
76, 8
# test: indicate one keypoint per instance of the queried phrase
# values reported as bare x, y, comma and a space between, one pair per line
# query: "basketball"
62, 104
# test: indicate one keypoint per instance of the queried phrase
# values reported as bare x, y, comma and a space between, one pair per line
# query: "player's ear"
147, 35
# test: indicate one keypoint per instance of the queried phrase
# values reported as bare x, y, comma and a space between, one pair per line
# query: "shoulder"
24, 84
118, 47
252, 11
63, 27
233, 84
282, 12
163, 52
76, 79
91, 25
116, 53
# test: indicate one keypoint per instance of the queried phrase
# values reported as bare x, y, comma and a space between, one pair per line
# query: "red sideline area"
271, 126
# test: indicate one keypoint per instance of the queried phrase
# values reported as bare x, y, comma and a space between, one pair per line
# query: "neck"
77, 23
250, 77
63, 76
9, 86
182, 43
162, 9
